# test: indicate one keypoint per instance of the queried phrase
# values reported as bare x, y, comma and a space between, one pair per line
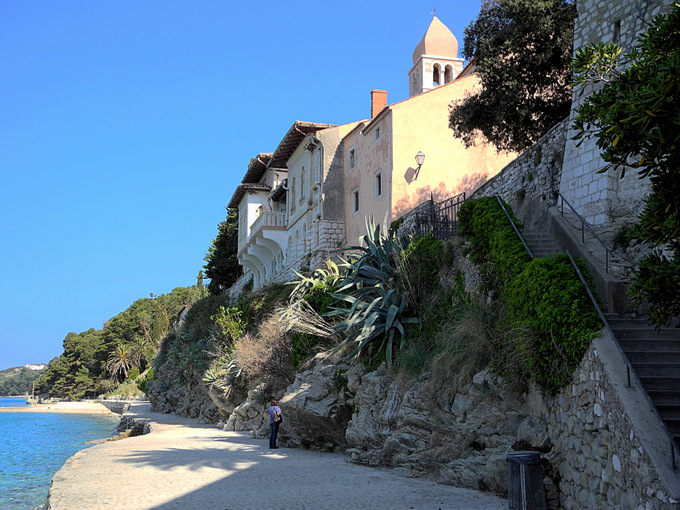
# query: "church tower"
435, 59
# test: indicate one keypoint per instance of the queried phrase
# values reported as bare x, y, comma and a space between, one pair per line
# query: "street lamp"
420, 159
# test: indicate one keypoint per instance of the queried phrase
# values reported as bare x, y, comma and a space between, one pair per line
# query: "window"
302, 185
617, 32
352, 158
292, 196
435, 75
378, 184
355, 200
448, 74
377, 133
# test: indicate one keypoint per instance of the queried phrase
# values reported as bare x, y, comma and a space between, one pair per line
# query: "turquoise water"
34, 446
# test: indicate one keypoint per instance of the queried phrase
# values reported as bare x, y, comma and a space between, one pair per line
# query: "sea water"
34, 446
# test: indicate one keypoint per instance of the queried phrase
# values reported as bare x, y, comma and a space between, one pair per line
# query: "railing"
584, 226
442, 220
512, 223
268, 219
629, 368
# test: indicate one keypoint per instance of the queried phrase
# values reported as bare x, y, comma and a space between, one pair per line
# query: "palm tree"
122, 359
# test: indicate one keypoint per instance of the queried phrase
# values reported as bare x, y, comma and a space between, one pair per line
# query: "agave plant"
329, 277
370, 318
221, 378
376, 306
374, 263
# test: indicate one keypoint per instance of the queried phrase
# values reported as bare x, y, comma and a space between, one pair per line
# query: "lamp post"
420, 159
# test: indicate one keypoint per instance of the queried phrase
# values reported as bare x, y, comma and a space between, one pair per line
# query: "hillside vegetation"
418, 305
17, 380
96, 362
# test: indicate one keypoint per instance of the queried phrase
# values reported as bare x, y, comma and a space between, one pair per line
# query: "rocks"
316, 409
252, 414
464, 444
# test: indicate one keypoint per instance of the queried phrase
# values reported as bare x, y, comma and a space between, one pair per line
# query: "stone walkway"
184, 465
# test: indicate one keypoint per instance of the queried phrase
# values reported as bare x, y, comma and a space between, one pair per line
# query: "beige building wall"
317, 195
372, 156
421, 123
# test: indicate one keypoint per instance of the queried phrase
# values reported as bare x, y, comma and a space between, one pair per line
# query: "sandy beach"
61, 407
182, 464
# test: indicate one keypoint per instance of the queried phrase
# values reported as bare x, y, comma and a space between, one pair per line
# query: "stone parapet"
609, 447
530, 182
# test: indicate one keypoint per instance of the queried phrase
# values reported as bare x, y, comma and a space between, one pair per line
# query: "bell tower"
435, 59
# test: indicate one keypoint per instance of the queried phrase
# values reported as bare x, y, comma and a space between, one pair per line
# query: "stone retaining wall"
530, 182
599, 450
408, 224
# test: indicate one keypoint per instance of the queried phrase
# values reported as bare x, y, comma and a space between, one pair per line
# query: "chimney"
378, 101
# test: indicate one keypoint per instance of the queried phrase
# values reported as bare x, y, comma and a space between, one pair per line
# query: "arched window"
292, 196
448, 74
435, 75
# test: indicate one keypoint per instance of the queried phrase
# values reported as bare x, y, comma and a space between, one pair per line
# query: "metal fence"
442, 218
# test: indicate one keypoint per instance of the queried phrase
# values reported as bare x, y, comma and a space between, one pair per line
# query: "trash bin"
525, 481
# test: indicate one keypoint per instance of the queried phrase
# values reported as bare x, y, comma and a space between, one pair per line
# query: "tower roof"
438, 40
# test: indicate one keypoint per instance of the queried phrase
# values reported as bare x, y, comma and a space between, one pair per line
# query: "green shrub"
144, 383
492, 238
320, 297
551, 311
229, 323
302, 346
549, 299
421, 261
133, 374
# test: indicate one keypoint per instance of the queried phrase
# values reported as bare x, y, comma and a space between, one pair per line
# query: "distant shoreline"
63, 408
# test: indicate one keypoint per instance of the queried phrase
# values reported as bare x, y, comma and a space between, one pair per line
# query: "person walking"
275, 420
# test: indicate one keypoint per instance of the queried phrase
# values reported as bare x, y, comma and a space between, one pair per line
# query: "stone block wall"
530, 182
408, 226
331, 238
597, 448
603, 197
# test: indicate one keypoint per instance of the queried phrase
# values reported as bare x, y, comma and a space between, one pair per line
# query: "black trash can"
525, 481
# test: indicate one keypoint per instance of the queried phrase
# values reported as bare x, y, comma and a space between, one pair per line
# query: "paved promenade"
184, 465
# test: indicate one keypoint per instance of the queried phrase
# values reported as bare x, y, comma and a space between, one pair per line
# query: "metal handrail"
584, 225
500, 202
629, 368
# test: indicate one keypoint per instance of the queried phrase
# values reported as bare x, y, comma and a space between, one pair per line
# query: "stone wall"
603, 197
603, 457
408, 226
530, 182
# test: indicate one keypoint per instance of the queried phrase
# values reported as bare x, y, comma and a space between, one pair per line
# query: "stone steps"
655, 357
542, 242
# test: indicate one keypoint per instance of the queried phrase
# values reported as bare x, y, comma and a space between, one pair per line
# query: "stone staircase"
655, 356
542, 242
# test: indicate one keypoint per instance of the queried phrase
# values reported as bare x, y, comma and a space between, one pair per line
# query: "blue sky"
125, 127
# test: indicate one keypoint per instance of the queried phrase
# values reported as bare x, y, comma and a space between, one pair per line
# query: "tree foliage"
18, 380
522, 50
222, 266
95, 360
635, 121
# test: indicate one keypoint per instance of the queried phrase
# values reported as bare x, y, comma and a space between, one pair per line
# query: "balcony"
276, 220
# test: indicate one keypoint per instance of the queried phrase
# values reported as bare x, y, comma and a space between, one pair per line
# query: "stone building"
312, 195
601, 198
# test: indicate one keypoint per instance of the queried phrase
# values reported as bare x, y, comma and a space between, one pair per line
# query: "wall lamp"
420, 159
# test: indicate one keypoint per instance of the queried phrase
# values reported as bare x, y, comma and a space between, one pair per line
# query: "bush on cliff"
544, 296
